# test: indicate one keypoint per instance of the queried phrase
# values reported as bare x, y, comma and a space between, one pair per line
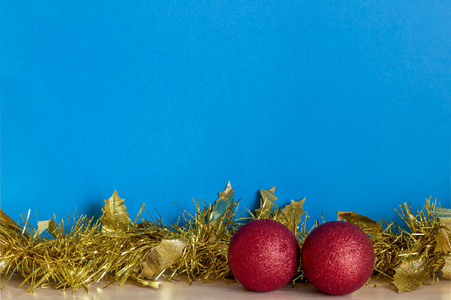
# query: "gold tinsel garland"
116, 249
410, 256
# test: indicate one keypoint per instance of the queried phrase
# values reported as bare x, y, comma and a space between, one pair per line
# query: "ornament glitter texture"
337, 258
263, 255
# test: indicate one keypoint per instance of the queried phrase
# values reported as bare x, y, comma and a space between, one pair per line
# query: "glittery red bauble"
263, 255
337, 258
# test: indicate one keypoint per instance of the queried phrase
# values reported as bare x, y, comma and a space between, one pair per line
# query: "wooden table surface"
221, 290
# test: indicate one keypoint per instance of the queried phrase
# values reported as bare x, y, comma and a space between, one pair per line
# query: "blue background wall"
347, 104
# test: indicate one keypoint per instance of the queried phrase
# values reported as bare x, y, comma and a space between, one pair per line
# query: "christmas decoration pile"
116, 249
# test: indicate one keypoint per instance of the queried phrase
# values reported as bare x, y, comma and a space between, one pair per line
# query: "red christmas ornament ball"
337, 258
263, 255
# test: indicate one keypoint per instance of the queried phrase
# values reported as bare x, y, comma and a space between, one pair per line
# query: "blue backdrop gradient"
346, 103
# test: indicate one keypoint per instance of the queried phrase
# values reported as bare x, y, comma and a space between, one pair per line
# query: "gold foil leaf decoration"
268, 196
446, 270
443, 213
365, 223
115, 216
442, 241
8, 222
50, 226
151, 283
266, 203
221, 204
443, 238
291, 214
409, 275
162, 257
